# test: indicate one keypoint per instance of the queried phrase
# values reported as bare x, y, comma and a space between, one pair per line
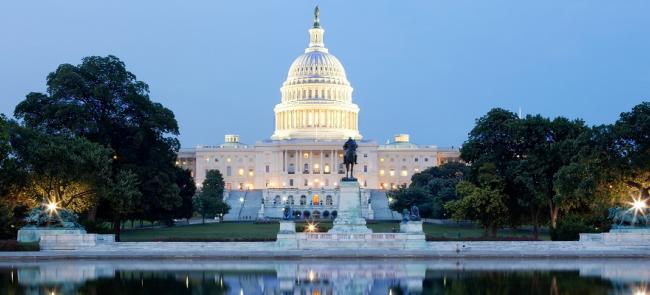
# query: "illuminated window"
392, 172
381, 159
416, 170
404, 173
228, 160
381, 172
305, 155
250, 172
326, 169
228, 171
241, 172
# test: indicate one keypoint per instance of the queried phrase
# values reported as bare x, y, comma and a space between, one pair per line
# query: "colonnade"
316, 118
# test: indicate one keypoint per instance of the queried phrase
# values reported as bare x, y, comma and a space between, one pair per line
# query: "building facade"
302, 162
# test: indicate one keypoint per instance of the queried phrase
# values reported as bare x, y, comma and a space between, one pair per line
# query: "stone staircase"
379, 203
242, 211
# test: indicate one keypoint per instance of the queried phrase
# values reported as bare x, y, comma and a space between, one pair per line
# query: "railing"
374, 236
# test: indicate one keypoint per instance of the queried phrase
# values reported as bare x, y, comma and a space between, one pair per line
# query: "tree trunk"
117, 228
485, 231
555, 210
535, 220
92, 213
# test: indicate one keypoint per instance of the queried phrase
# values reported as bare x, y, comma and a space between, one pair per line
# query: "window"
316, 168
305, 155
326, 169
290, 200
426, 159
276, 200
306, 182
291, 182
392, 172
305, 170
416, 159
328, 200
381, 172
327, 182
228, 171
240, 172
365, 155
404, 173
292, 169
315, 200
250, 172
303, 200
216, 160
365, 168
268, 168
381, 159
228, 186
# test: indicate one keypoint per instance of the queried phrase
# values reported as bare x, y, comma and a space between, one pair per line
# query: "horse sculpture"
349, 158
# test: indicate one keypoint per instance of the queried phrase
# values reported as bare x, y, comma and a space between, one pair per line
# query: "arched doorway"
334, 214
315, 200
305, 214
315, 215
326, 214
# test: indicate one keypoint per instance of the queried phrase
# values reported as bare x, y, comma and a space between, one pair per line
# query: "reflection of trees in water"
507, 282
148, 282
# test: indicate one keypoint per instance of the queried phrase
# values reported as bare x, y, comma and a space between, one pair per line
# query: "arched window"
276, 200
315, 215
326, 214
315, 200
303, 200
290, 200
328, 200
306, 214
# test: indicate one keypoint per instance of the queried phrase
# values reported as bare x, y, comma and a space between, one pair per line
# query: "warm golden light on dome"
316, 98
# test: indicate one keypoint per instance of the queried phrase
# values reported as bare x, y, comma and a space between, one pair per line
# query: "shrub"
13, 245
570, 227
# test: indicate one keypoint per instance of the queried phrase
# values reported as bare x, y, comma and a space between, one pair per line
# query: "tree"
99, 100
210, 200
430, 189
484, 203
70, 171
121, 199
187, 188
406, 197
494, 140
545, 147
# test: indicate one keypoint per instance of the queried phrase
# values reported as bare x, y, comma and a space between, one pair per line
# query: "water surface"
316, 277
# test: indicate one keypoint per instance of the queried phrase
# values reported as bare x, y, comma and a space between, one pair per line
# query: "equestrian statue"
350, 158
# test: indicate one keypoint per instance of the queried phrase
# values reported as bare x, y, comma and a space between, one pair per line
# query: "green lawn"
267, 231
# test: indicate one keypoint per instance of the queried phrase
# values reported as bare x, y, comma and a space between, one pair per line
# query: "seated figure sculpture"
288, 213
415, 213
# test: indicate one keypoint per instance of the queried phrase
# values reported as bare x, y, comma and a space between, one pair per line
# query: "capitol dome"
316, 98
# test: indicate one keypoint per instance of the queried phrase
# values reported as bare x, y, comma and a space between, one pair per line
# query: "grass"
230, 231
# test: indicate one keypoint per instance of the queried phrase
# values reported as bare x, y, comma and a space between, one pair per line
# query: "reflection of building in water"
610, 276
302, 163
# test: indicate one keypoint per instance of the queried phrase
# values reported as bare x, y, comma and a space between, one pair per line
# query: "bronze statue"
316, 17
350, 158
288, 213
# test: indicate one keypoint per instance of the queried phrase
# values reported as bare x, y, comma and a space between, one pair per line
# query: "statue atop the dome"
316, 17
349, 158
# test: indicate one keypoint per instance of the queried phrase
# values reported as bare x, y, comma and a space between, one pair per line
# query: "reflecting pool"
248, 277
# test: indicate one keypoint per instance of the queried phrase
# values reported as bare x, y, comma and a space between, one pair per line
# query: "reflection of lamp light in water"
312, 275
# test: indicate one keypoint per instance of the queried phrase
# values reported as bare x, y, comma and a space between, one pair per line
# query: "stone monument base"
286, 238
620, 236
33, 234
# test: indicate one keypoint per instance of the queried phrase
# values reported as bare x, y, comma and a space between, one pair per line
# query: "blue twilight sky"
428, 68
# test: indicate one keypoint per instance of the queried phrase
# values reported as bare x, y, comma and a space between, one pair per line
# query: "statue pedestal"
620, 236
286, 238
349, 218
411, 227
33, 234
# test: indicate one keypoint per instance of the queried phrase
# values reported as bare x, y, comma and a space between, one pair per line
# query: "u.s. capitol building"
302, 163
